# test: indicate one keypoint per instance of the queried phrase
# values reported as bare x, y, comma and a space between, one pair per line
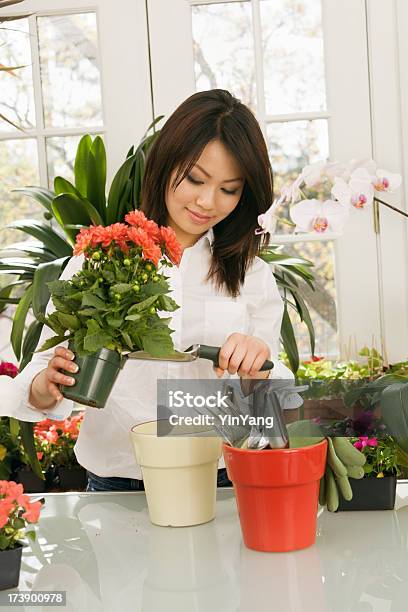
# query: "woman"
207, 176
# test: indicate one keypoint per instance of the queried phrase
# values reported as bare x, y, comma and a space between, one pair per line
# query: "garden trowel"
194, 352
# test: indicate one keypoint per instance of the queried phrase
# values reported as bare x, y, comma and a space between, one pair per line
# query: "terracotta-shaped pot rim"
275, 451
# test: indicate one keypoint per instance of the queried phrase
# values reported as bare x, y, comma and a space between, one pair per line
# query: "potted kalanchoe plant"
110, 307
16, 510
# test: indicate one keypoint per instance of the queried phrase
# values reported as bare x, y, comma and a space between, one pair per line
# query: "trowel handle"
212, 352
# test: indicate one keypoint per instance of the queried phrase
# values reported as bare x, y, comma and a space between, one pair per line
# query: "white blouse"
205, 316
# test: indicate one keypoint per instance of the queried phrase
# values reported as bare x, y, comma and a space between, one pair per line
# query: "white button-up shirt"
206, 316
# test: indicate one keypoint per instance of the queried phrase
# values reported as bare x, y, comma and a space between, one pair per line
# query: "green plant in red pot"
110, 307
16, 510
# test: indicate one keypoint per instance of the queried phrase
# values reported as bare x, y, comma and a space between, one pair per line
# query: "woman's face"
206, 195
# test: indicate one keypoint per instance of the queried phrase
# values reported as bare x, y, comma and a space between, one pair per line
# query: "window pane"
17, 97
321, 302
292, 146
223, 49
18, 168
292, 40
70, 70
61, 153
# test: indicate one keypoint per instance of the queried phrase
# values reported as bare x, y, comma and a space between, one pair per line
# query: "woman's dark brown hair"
203, 117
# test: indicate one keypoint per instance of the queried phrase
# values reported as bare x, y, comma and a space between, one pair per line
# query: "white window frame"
125, 89
350, 135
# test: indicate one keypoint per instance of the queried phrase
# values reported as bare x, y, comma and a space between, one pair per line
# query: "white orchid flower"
267, 221
358, 191
312, 174
337, 169
317, 216
291, 193
366, 163
386, 181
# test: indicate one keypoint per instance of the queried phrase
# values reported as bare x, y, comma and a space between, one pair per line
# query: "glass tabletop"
103, 551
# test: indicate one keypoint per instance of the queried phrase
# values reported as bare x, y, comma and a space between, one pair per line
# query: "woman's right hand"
44, 391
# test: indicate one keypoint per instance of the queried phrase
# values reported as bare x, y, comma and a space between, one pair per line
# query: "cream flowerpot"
179, 473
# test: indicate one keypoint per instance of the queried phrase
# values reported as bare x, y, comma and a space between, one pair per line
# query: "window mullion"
259, 72
38, 101
306, 237
307, 116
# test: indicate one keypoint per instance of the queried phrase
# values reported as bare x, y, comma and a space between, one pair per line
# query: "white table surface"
102, 550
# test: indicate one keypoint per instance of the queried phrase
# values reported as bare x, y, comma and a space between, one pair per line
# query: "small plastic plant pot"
277, 494
95, 378
179, 474
371, 494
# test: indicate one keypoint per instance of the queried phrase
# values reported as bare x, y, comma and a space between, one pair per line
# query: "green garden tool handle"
212, 353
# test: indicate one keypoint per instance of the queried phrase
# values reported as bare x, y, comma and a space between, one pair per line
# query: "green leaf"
133, 317
69, 321
289, 341
30, 343
121, 288
18, 523
115, 321
30, 533
306, 318
71, 209
142, 305
127, 339
27, 437
95, 339
394, 411
90, 299
44, 274
97, 176
51, 342
61, 185
158, 345
117, 188
81, 165
47, 235
167, 303
52, 321
39, 194
19, 321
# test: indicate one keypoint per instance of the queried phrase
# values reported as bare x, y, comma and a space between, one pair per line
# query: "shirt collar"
208, 237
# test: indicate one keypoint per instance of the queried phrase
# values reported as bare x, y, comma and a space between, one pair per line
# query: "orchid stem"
398, 210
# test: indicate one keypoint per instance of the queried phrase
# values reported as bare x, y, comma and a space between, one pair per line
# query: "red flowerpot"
277, 494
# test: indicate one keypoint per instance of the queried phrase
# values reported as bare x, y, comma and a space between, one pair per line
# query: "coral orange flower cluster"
49, 430
13, 502
138, 230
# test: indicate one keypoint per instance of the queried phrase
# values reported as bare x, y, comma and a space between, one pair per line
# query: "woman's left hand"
244, 355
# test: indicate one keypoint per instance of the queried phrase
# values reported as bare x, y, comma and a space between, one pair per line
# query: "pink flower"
364, 441
372, 442
8, 369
